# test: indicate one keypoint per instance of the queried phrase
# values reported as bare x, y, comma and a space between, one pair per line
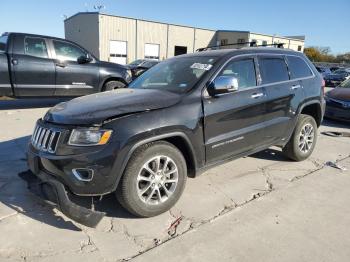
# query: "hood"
340, 93
111, 65
95, 108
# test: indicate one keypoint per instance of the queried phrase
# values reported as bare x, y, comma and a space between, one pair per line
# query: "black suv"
179, 118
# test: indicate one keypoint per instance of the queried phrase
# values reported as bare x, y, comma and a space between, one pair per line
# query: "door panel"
34, 70
283, 98
72, 78
233, 123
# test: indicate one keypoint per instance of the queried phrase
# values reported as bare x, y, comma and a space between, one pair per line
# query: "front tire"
111, 85
303, 141
154, 179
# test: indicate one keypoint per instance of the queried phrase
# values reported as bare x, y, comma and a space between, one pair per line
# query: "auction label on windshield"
200, 66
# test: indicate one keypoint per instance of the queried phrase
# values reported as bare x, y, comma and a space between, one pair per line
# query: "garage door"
118, 52
152, 51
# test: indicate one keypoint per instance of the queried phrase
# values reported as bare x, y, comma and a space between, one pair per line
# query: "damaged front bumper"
60, 197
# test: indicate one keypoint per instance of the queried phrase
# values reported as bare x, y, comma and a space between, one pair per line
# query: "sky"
325, 23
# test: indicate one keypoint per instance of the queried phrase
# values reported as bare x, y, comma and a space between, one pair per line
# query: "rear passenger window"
273, 70
35, 47
243, 70
298, 67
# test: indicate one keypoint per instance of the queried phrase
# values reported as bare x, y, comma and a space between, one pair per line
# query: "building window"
224, 42
152, 51
264, 43
299, 48
241, 41
180, 50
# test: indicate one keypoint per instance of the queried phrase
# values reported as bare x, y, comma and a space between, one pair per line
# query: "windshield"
345, 84
3, 42
149, 63
136, 62
177, 75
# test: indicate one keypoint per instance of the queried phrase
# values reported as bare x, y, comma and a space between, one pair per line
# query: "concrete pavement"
240, 200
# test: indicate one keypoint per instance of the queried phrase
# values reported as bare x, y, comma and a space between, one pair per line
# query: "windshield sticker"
200, 66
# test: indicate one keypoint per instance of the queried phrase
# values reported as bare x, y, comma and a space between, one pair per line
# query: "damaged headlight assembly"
89, 137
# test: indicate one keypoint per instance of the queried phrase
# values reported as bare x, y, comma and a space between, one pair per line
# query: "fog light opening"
83, 174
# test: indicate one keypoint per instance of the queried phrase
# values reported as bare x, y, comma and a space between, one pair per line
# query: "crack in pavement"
229, 209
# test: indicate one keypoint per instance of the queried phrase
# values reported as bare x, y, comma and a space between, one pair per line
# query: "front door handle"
294, 87
257, 95
14, 61
61, 64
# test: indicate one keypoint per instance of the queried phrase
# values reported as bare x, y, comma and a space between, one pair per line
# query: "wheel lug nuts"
153, 185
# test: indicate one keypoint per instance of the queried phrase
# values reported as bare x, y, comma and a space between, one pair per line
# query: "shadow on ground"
27, 103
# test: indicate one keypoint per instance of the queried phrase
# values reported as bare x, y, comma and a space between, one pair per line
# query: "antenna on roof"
99, 7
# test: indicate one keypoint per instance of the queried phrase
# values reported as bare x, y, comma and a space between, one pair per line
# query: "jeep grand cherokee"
178, 119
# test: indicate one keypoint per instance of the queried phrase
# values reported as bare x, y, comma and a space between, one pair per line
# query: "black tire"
111, 85
292, 150
128, 192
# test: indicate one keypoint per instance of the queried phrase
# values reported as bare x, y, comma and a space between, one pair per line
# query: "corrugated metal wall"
151, 33
118, 29
84, 30
95, 31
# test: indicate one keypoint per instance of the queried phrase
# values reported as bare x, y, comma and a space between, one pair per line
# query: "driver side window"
243, 70
67, 52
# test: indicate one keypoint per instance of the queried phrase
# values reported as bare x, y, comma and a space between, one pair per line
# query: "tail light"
323, 86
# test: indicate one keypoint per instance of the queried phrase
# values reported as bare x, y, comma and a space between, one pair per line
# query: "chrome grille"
45, 139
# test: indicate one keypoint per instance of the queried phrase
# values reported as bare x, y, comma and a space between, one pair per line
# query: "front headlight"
128, 75
89, 137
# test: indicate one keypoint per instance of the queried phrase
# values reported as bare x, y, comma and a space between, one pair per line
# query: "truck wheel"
303, 141
153, 181
111, 85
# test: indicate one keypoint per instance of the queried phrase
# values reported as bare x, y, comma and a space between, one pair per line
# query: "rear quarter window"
273, 70
298, 67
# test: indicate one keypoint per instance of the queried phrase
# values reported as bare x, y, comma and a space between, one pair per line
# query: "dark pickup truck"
35, 65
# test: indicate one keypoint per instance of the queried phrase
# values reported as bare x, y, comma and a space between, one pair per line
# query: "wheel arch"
313, 108
112, 78
178, 139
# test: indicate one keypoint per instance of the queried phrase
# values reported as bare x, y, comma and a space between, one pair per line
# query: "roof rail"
251, 44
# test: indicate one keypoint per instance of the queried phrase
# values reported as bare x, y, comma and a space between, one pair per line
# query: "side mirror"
223, 85
84, 59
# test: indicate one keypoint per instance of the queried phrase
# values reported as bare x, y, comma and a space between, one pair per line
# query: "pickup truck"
36, 65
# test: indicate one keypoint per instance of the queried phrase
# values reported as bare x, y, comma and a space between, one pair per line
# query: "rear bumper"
342, 114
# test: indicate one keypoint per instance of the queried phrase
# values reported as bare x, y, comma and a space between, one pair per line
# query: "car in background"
324, 71
338, 102
337, 77
138, 67
43, 66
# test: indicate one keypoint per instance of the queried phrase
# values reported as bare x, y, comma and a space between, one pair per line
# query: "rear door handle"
294, 87
14, 61
61, 64
257, 95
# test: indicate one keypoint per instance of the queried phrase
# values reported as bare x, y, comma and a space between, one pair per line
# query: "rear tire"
302, 143
111, 85
154, 179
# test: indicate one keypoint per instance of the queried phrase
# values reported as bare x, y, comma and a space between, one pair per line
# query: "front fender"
119, 166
